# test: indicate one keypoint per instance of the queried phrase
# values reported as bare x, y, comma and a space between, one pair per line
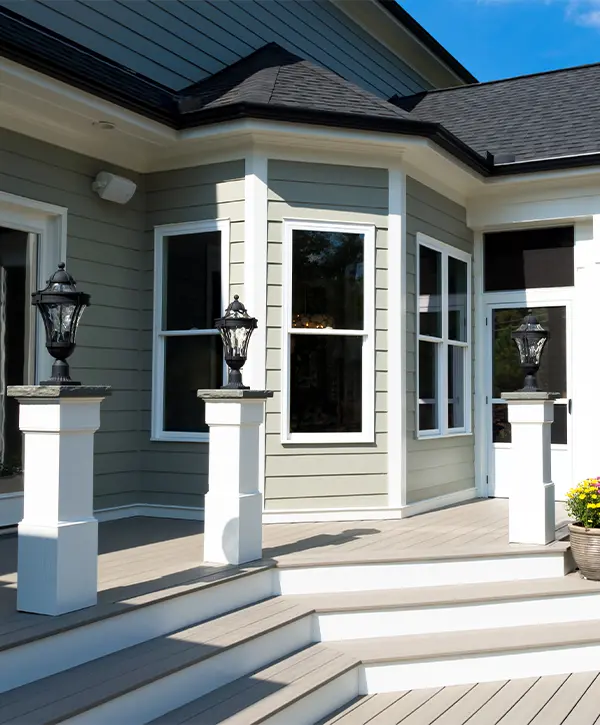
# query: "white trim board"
151, 510
288, 516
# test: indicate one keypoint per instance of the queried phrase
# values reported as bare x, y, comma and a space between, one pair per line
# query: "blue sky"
502, 38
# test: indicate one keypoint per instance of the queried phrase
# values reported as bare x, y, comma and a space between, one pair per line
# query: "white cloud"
580, 12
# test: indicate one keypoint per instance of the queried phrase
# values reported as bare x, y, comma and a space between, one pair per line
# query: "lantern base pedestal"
58, 536
233, 504
58, 567
531, 508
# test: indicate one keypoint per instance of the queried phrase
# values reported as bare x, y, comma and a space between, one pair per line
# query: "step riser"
319, 703
333, 627
394, 677
156, 699
50, 655
373, 577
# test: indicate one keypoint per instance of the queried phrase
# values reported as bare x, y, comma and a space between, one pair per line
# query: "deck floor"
556, 700
142, 556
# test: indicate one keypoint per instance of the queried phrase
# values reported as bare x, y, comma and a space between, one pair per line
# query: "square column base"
532, 516
232, 528
58, 567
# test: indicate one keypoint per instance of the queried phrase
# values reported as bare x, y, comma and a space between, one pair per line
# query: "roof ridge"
553, 71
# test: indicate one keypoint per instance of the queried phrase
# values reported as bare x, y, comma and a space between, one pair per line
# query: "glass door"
506, 375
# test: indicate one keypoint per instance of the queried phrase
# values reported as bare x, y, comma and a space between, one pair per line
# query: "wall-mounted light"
111, 187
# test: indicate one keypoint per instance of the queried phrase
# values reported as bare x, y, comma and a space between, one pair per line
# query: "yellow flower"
581, 496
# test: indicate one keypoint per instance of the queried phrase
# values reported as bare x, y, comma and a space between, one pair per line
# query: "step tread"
361, 557
471, 642
81, 688
258, 696
453, 594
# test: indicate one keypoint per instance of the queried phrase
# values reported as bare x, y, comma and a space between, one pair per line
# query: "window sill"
437, 436
327, 438
179, 438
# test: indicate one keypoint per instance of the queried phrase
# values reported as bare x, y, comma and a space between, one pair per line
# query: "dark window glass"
325, 384
428, 377
457, 299
190, 363
328, 280
456, 386
501, 428
507, 373
192, 277
430, 292
528, 259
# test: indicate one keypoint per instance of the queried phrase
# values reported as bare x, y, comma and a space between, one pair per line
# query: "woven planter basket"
585, 545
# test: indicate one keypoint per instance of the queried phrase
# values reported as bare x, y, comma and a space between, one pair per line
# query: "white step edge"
352, 577
394, 664
159, 697
320, 702
460, 615
49, 655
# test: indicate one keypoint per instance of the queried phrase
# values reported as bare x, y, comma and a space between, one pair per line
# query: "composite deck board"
558, 708
141, 558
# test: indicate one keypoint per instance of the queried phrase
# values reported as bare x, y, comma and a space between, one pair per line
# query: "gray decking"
556, 700
141, 558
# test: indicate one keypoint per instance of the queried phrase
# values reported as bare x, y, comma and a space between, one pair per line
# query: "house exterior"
386, 218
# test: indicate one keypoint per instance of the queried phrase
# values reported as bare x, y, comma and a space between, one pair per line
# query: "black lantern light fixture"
236, 328
530, 338
60, 306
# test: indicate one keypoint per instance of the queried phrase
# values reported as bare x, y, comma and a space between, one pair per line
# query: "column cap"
233, 394
525, 396
48, 392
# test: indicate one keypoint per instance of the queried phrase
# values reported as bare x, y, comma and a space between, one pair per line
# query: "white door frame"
49, 223
551, 297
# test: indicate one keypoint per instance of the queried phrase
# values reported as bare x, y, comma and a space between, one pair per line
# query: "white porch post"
233, 504
532, 517
58, 536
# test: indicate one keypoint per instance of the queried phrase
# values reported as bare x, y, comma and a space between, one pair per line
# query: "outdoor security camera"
111, 187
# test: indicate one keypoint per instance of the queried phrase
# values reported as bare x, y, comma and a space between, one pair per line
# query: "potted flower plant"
583, 504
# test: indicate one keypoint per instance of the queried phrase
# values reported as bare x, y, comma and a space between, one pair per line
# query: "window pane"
192, 279
457, 299
529, 258
502, 429
507, 373
428, 384
325, 384
456, 386
430, 292
328, 280
190, 363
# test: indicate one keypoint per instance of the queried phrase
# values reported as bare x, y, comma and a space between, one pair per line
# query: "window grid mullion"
443, 352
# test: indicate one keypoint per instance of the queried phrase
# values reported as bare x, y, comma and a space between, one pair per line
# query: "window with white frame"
190, 290
444, 339
328, 332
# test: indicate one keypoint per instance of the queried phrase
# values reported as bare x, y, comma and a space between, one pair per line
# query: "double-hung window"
190, 291
328, 333
444, 339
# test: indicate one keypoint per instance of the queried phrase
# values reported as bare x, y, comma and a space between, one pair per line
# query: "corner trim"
369, 514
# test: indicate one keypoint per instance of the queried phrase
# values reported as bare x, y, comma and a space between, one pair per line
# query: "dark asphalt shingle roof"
275, 77
533, 117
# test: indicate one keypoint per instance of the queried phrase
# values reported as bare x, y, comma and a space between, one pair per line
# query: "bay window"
444, 339
328, 345
190, 289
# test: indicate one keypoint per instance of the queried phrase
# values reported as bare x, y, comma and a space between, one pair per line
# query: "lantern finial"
236, 328
530, 338
60, 306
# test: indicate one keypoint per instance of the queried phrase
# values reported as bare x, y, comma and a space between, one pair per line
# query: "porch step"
359, 615
390, 664
295, 691
147, 680
351, 573
33, 647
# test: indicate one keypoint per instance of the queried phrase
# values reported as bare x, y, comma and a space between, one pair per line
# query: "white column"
233, 504
532, 517
58, 536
